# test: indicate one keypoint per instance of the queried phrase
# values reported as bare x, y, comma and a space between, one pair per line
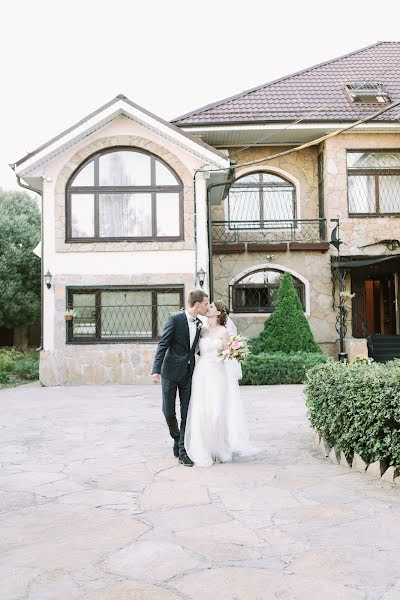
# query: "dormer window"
367, 92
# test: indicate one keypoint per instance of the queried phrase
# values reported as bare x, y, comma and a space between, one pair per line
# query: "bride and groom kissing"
213, 425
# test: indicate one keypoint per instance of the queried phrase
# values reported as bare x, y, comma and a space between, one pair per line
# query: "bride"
216, 425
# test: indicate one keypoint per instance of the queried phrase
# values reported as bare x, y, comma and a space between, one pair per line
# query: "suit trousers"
169, 390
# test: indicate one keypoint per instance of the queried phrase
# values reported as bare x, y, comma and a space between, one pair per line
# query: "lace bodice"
210, 348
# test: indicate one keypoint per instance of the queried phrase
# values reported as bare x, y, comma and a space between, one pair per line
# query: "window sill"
122, 239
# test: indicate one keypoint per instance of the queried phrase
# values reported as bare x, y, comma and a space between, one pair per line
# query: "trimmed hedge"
17, 367
356, 407
287, 329
279, 367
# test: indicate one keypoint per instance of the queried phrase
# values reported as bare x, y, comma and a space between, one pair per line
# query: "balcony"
262, 236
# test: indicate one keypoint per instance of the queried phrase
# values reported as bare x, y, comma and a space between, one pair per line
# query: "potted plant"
69, 314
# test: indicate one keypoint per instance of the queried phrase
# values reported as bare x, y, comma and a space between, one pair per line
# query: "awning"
347, 262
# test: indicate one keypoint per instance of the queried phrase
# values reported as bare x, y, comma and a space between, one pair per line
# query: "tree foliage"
287, 329
19, 267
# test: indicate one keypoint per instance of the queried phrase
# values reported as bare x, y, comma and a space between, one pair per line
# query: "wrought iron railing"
294, 230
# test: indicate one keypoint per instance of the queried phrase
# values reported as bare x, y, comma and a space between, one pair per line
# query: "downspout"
209, 232
40, 192
208, 214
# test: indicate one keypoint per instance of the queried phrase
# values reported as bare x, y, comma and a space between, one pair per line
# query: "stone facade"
356, 232
301, 168
313, 266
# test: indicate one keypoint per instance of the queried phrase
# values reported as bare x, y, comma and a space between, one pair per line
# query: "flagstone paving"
93, 506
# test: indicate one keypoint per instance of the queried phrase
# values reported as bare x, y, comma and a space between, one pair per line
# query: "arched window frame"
262, 223
267, 267
152, 189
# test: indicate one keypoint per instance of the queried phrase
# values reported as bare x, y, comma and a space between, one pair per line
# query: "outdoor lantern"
201, 275
47, 279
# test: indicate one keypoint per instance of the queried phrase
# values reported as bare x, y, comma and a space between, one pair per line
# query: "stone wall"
97, 364
313, 266
301, 168
356, 232
115, 363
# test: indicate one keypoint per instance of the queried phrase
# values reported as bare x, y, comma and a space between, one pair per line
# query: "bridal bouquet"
237, 348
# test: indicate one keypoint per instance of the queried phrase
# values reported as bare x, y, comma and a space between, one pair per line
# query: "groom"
174, 365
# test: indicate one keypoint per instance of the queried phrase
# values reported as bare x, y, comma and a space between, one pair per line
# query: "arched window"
121, 194
259, 200
257, 291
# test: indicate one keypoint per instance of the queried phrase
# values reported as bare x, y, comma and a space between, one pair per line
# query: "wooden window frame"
96, 190
377, 174
97, 290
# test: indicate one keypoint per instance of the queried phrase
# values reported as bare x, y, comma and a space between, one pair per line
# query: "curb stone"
377, 470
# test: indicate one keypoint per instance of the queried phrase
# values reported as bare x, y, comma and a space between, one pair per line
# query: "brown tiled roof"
320, 88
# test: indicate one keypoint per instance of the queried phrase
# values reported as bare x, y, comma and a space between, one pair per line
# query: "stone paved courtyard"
94, 506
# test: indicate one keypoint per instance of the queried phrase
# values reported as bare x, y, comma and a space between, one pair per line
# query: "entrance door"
375, 305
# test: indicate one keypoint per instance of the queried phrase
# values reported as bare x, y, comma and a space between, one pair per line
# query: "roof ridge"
206, 107
103, 107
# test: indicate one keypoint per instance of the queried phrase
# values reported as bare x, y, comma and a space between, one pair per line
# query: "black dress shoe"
185, 460
176, 448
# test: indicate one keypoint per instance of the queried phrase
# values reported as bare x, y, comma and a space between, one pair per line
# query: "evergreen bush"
356, 407
279, 367
287, 329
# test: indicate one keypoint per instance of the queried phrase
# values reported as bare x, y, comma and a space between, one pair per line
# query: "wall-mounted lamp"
47, 279
201, 275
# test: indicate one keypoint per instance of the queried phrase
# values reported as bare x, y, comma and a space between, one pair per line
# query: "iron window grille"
257, 291
120, 314
373, 182
261, 201
124, 193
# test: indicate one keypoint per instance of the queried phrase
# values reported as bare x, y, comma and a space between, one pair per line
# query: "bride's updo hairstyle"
223, 309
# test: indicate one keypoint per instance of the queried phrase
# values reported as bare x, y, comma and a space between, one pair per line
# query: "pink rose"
235, 345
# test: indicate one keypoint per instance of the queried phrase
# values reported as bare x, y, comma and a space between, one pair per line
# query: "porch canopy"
353, 262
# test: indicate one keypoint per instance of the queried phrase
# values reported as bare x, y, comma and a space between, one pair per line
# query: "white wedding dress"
216, 424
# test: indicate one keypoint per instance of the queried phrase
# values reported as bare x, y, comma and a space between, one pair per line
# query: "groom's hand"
156, 378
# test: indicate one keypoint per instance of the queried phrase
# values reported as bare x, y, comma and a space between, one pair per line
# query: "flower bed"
356, 408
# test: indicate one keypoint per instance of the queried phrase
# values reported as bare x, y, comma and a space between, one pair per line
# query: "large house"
137, 211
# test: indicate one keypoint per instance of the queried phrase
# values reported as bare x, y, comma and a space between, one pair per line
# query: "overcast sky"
61, 60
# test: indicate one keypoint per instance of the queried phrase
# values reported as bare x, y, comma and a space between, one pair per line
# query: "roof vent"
367, 92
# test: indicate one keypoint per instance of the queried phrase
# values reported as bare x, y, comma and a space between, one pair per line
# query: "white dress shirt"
192, 327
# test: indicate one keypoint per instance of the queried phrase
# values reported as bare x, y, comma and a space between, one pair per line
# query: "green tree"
287, 329
19, 267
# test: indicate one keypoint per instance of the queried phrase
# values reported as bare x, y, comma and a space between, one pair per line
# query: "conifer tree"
287, 329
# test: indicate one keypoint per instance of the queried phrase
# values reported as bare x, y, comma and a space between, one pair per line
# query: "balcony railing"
296, 230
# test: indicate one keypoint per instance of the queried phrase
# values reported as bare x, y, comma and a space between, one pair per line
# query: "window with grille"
123, 193
257, 291
373, 182
261, 200
117, 314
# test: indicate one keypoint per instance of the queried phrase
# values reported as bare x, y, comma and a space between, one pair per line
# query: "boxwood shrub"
356, 407
279, 367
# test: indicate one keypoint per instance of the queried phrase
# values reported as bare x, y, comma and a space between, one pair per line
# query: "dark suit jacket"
174, 352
